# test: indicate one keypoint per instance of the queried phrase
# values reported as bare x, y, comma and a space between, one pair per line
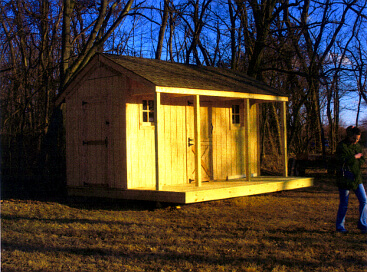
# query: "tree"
194, 28
360, 73
30, 68
29, 79
101, 31
162, 29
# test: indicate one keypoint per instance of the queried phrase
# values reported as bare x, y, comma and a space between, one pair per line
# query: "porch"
208, 191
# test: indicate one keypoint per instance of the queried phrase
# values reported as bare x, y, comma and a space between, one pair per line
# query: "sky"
349, 112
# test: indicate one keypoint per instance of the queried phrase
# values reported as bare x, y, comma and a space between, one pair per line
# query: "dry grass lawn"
285, 231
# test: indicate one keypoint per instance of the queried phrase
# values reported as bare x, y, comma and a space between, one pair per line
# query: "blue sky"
349, 106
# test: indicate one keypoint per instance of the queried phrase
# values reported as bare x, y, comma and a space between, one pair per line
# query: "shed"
154, 130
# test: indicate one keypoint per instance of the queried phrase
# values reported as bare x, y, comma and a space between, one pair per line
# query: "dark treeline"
315, 51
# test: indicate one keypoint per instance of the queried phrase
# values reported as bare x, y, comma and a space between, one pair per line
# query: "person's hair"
352, 130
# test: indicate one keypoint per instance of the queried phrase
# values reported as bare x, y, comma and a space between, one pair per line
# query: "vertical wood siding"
174, 127
95, 114
104, 107
254, 140
228, 143
117, 148
141, 147
228, 147
73, 159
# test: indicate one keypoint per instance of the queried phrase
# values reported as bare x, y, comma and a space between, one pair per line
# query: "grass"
285, 231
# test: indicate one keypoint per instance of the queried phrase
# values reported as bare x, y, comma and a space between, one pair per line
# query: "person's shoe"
364, 231
343, 231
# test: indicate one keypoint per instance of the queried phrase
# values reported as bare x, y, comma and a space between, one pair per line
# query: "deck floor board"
208, 191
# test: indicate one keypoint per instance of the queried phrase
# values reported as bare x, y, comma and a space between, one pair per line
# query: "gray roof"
177, 75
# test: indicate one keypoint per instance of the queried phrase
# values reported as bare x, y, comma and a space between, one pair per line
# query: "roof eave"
226, 94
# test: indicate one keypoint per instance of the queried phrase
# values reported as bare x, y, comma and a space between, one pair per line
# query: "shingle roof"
177, 75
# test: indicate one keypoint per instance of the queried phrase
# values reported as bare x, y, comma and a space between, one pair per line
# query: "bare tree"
29, 81
99, 34
162, 29
360, 74
195, 21
30, 65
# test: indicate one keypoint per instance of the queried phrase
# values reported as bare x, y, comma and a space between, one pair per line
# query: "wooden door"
94, 142
206, 127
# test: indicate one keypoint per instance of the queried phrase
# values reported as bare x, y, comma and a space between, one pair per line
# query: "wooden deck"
209, 191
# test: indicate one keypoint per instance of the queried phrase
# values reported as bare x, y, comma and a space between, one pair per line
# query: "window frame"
239, 114
236, 114
148, 111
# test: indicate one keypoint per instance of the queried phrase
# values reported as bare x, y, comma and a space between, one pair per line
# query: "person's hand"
358, 156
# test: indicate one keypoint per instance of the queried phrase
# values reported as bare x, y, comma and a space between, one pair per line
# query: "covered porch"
249, 151
207, 191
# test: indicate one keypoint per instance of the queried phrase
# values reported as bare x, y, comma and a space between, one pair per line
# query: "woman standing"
349, 154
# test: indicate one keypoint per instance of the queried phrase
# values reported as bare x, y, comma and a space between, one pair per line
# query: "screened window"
236, 114
148, 111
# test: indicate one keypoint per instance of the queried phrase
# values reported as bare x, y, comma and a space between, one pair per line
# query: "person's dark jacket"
345, 152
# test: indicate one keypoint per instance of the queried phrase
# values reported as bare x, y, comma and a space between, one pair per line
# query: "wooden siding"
174, 141
228, 142
119, 150
95, 138
254, 140
72, 142
223, 152
141, 145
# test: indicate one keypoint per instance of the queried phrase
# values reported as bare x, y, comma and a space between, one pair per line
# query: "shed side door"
94, 142
206, 127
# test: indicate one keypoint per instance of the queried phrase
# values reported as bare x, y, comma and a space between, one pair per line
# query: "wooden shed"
153, 130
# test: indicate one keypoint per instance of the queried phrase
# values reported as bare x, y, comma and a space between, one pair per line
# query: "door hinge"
190, 142
97, 142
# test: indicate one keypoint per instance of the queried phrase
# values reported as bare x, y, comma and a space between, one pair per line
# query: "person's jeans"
343, 207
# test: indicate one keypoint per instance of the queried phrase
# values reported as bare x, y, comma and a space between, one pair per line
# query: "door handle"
190, 142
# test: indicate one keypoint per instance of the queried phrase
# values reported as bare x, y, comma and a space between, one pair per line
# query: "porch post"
284, 135
158, 140
247, 133
197, 132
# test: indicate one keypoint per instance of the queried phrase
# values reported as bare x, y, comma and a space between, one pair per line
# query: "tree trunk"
232, 17
162, 30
